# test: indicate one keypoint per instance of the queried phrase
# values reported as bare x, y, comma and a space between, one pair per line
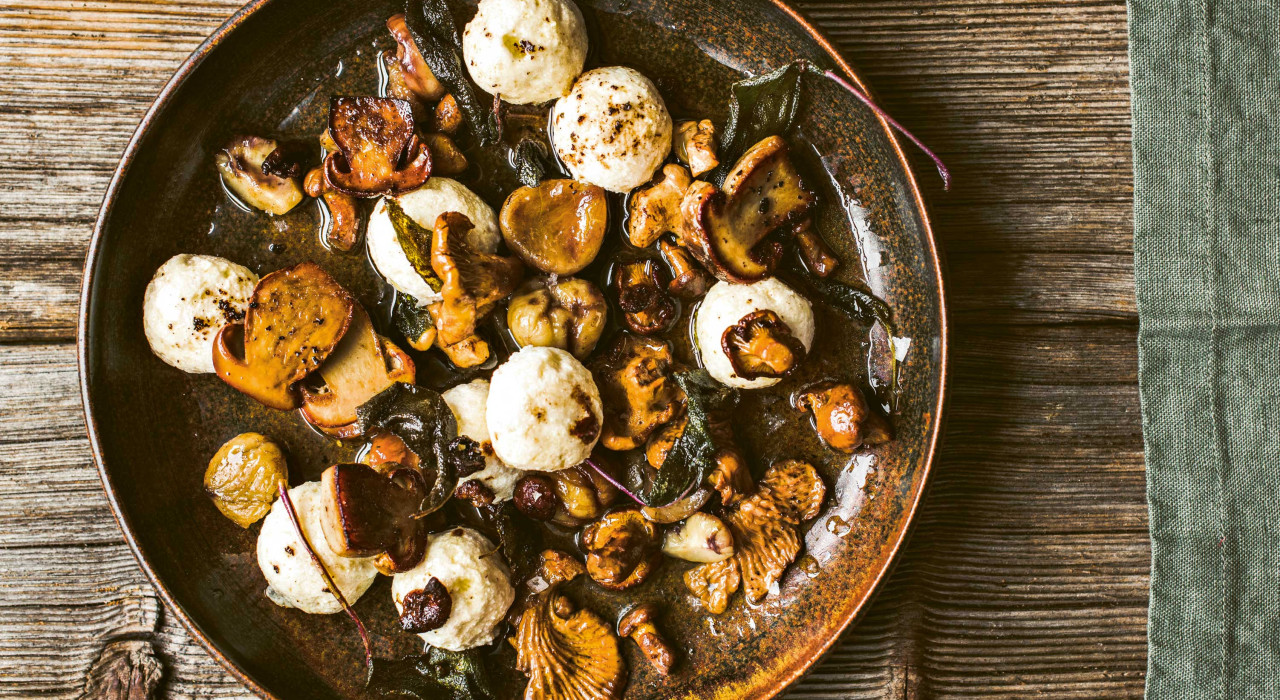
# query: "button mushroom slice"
688, 279
636, 390
655, 208
257, 171
244, 476
474, 281
814, 251
343, 228
760, 344
640, 624
695, 145
646, 307
568, 653
842, 417
622, 549
567, 313
366, 513
558, 226
417, 76
378, 151
296, 317
360, 367
727, 229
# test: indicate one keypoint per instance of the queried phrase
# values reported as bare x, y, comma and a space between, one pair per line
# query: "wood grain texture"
1026, 574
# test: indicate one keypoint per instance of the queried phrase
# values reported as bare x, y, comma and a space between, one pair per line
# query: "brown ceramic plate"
271, 69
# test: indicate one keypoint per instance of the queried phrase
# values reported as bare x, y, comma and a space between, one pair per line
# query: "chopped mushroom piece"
842, 418
417, 76
343, 228
727, 228
427, 608
244, 476
655, 209
295, 319
447, 118
567, 313
766, 536
254, 169
815, 251
388, 451
645, 304
688, 279
558, 226
366, 513
622, 549
582, 494
639, 625
568, 653
695, 145
446, 158
702, 538
378, 151
360, 367
474, 281
761, 345
637, 393
558, 567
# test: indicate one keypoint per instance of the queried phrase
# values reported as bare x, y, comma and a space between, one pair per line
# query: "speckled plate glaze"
270, 70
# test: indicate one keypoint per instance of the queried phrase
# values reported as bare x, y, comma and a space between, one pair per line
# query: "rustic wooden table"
1027, 571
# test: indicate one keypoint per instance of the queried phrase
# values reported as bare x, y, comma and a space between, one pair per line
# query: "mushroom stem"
283, 489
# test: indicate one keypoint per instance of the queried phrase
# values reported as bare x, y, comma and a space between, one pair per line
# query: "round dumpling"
725, 304
526, 51
468, 403
190, 298
543, 410
294, 580
479, 586
613, 129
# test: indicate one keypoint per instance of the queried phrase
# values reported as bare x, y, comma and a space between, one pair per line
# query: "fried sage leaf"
436, 34
693, 455
862, 306
531, 161
415, 240
437, 674
421, 418
759, 107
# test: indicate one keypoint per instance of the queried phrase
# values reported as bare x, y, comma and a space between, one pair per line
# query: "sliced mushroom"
568, 653
474, 281
582, 495
622, 549
558, 226
360, 367
646, 306
727, 228
378, 150
295, 319
637, 393
366, 513
765, 535
244, 476
417, 76
640, 624
688, 279
446, 158
760, 344
655, 208
695, 145
344, 217
842, 418
701, 538
815, 251
254, 170
567, 313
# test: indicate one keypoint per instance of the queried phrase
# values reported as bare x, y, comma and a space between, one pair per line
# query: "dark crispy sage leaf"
514, 532
759, 107
437, 674
693, 455
421, 418
415, 239
410, 318
434, 31
862, 306
530, 159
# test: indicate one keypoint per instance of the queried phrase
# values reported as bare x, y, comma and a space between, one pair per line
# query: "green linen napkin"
1206, 155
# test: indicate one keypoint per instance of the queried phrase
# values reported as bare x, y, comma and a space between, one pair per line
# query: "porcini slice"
360, 367
366, 513
295, 319
474, 281
254, 169
726, 228
375, 136
558, 226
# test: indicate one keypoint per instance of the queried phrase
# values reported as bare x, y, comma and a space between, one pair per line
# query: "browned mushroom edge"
694, 143
256, 171
474, 281
342, 230
842, 417
760, 344
374, 136
655, 208
635, 389
367, 513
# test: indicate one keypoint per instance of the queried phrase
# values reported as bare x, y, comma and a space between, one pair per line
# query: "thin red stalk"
937, 161
616, 484
333, 588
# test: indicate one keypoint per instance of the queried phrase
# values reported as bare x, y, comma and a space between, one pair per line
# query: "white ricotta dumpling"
544, 410
190, 298
479, 586
725, 304
467, 401
612, 129
424, 205
295, 581
526, 51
